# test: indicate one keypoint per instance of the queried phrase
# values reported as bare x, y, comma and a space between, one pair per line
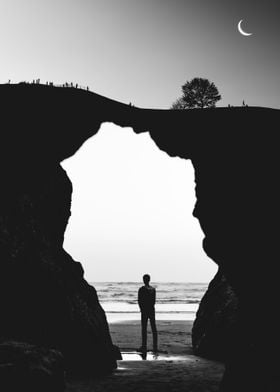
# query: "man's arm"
154, 296
139, 299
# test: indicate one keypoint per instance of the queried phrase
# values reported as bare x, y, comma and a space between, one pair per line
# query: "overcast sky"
132, 212
140, 51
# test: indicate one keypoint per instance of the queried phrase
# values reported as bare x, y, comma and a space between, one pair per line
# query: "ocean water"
174, 301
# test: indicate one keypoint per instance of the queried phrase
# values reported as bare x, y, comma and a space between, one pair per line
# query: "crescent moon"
241, 31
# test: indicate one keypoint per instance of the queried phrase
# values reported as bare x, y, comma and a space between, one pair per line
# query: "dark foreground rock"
44, 299
216, 320
24, 367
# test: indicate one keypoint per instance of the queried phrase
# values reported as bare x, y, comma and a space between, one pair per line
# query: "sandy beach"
175, 369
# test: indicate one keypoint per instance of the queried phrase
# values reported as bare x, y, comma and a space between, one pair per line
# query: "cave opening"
131, 214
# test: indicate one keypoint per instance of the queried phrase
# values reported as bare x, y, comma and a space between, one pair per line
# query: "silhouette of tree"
198, 93
179, 104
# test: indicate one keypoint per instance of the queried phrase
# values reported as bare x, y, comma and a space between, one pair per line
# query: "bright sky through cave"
132, 211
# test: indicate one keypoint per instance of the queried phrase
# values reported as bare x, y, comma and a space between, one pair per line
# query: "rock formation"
234, 154
24, 367
44, 299
216, 320
234, 151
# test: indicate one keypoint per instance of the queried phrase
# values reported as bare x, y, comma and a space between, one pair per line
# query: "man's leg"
144, 321
154, 331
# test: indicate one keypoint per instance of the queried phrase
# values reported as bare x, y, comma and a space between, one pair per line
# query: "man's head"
146, 279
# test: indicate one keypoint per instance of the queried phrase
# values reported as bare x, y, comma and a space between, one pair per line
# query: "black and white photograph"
139, 198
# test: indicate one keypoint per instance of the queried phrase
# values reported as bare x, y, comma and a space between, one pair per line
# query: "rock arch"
235, 155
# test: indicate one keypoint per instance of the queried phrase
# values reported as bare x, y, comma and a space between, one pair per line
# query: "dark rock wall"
44, 299
236, 160
216, 320
25, 367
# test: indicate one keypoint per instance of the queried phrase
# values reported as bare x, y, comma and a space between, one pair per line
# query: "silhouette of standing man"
146, 301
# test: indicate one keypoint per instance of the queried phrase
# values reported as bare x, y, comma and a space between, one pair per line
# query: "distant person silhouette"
146, 301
